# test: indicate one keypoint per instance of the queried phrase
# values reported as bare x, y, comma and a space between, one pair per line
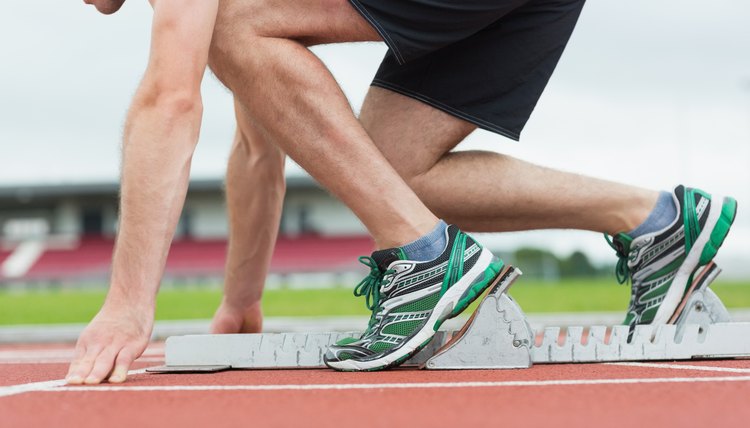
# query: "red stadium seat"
4, 254
91, 258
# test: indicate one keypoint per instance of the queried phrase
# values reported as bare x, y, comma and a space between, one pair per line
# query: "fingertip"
117, 378
73, 380
118, 375
91, 380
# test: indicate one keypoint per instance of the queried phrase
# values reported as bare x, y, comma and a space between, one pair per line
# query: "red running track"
692, 394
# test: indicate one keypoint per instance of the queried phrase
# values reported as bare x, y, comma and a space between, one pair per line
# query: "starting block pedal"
497, 336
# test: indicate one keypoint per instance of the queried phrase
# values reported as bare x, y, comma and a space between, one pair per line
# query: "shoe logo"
636, 251
401, 269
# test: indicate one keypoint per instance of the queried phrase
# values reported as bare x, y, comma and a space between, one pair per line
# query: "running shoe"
661, 265
409, 301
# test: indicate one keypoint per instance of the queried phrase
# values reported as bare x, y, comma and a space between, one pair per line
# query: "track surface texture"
668, 394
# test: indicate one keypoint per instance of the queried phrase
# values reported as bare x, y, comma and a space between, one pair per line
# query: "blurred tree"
577, 265
543, 264
537, 263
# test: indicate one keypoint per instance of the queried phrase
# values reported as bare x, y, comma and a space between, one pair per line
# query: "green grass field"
77, 306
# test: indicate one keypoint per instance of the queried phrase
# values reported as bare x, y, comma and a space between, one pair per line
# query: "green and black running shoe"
661, 265
410, 300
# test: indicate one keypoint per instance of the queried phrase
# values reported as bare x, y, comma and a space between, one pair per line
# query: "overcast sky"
649, 93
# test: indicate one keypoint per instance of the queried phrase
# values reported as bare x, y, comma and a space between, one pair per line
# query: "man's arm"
255, 194
160, 135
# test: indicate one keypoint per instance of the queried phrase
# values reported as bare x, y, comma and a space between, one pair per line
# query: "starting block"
497, 336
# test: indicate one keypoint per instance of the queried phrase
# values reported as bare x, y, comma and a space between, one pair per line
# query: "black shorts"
484, 61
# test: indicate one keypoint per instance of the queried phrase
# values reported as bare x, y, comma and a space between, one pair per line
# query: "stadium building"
65, 233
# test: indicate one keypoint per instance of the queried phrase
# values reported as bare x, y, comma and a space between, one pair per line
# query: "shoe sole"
716, 229
485, 273
700, 282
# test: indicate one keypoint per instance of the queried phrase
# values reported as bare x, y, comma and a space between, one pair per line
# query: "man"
296, 105
287, 98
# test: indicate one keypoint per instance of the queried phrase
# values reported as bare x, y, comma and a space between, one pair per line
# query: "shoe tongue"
384, 258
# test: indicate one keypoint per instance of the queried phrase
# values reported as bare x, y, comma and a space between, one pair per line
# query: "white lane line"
428, 385
6, 391
683, 367
68, 353
67, 361
51, 353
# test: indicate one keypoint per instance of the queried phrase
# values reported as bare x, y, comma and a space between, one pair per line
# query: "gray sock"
428, 247
662, 215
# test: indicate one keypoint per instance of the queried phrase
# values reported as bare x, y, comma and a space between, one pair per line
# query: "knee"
223, 55
238, 23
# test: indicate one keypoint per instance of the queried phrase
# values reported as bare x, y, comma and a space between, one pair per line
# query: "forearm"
160, 135
255, 194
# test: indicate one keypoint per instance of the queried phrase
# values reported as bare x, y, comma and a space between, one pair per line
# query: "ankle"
405, 233
661, 216
429, 246
634, 212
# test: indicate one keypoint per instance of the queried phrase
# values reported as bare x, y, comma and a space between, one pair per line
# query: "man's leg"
487, 191
259, 53
295, 103
661, 240
261, 57
255, 190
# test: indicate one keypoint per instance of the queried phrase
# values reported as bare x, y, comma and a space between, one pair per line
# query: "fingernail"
73, 379
118, 375
91, 380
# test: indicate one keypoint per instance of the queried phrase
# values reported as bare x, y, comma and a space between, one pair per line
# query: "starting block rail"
497, 336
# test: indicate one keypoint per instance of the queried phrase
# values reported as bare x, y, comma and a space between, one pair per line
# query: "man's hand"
116, 336
230, 319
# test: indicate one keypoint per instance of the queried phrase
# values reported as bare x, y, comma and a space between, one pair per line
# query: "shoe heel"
478, 287
720, 231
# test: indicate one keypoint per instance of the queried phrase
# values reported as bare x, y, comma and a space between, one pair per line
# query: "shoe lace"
370, 286
622, 270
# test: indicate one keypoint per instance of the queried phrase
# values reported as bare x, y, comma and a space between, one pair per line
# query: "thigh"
307, 21
413, 136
